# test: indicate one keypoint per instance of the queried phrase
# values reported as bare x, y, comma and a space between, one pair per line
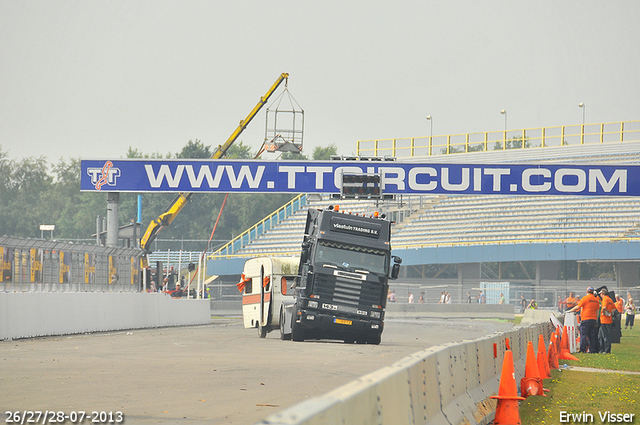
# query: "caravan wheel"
262, 331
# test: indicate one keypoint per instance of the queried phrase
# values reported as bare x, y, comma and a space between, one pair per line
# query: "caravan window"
287, 284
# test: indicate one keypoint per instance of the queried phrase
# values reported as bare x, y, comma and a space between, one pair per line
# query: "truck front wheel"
297, 333
374, 339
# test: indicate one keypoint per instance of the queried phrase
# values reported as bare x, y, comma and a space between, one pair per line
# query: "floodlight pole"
504, 112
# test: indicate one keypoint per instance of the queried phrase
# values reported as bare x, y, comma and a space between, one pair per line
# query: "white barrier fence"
450, 384
33, 314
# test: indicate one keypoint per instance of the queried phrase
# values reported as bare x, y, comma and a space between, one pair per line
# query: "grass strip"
590, 393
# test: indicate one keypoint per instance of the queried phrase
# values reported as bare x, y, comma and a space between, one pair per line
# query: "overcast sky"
89, 79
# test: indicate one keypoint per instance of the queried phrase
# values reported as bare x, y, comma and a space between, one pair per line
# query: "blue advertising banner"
158, 175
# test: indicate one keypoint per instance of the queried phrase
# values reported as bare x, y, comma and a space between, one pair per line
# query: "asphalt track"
217, 374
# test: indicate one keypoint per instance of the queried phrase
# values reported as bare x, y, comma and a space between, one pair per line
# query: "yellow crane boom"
181, 200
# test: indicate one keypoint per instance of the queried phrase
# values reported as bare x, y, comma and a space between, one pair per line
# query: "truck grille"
346, 291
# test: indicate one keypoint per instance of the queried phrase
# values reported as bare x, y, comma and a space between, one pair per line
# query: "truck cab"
345, 265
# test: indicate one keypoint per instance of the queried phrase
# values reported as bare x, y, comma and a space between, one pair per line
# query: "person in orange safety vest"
588, 306
606, 321
571, 301
619, 304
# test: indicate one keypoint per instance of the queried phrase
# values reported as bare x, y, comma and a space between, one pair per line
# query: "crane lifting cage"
165, 219
284, 127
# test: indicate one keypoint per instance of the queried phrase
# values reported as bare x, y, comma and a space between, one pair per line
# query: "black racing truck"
342, 286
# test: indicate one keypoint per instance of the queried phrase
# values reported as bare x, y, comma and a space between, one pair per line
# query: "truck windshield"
352, 257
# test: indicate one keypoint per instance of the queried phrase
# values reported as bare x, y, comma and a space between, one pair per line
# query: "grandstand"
469, 230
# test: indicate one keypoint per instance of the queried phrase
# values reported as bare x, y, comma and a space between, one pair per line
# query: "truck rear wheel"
283, 335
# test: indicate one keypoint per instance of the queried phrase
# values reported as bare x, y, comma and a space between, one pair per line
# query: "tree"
22, 183
292, 156
239, 151
514, 143
320, 153
195, 149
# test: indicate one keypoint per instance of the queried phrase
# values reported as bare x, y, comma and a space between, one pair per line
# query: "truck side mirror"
304, 254
395, 271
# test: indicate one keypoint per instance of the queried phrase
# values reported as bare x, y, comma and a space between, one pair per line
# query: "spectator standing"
523, 303
421, 300
571, 301
501, 298
392, 297
410, 298
442, 297
481, 298
619, 304
561, 304
469, 298
533, 305
588, 306
178, 292
606, 321
447, 297
630, 309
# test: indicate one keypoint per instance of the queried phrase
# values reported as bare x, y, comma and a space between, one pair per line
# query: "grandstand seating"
500, 219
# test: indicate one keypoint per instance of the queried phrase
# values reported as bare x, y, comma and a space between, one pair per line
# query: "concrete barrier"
494, 311
537, 316
33, 314
226, 307
450, 384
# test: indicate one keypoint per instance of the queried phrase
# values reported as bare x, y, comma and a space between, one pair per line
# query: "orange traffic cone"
531, 384
543, 361
553, 353
507, 410
565, 354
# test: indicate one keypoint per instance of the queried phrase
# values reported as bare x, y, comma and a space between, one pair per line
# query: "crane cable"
262, 148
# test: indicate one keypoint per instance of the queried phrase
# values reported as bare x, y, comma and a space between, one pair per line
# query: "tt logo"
103, 176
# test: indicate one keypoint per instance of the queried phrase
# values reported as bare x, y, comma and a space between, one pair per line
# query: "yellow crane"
181, 200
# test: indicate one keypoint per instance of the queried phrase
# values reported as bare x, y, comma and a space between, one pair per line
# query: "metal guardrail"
175, 259
215, 256
261, 227
566, 135
37, 265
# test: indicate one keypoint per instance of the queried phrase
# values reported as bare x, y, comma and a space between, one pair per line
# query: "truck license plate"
342, 321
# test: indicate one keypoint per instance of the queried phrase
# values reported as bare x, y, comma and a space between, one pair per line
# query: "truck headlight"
376, 314
312, 304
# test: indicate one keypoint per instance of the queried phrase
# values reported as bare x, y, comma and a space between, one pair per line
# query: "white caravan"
267, 287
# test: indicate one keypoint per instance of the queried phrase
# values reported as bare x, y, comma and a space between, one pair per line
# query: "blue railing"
262, 226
